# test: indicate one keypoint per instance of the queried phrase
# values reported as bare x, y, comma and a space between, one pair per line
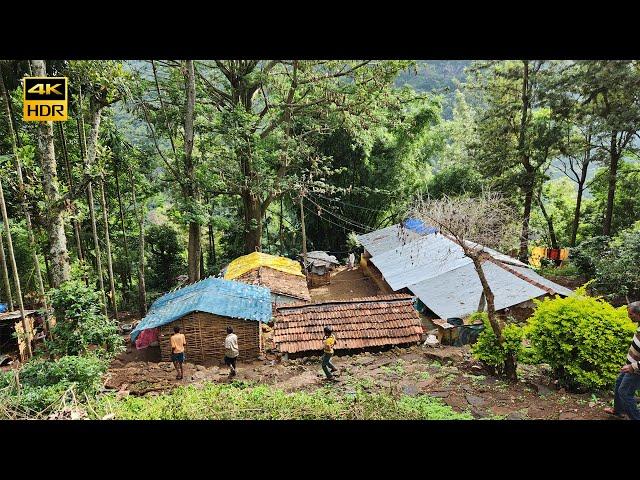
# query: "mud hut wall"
205, 334
374, 274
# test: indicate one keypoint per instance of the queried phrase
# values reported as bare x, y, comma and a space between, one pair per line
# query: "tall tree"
60, 267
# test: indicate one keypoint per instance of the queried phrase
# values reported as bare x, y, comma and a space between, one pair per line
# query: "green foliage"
454, 180
584, 339
614, 264
587, 255
42, 384
80, 323
166, 262
263, 402
488, 350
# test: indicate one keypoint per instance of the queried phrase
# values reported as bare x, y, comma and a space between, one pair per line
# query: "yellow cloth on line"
246, 263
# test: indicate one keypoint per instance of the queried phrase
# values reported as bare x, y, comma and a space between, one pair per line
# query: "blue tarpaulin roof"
211, 295
419, 227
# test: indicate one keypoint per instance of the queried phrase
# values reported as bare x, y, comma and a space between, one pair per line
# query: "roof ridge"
398, 297
521, 275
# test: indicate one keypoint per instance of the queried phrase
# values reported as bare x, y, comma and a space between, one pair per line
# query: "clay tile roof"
356, 323
278, 282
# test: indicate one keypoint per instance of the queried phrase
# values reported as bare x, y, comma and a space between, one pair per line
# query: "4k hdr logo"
45, 99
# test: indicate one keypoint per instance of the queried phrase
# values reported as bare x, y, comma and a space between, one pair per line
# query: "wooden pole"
304, 233
14, 268
5, 275
105, 217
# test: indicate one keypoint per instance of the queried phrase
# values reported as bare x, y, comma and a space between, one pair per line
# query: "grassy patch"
261, 402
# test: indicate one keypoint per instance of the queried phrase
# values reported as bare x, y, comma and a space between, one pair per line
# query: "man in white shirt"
231, 351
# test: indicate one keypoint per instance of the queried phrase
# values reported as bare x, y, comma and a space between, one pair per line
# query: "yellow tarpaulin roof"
255, 260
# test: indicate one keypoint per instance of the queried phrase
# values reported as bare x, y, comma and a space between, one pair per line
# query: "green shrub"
584, 339
43, 383
585, 256
489, 351
264, 402
80, 323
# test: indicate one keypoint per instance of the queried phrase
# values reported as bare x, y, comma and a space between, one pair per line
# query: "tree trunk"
127, 272
613, 172
74, 220
60, 268
509, 368
523, 254
105, 219
142, 291
281, 232
88, 162
549, 220
14, 268
304, 234
194, 249
5, 275
25, 209
253, 222
576, 214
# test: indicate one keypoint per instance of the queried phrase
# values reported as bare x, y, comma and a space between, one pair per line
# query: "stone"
515, 416
441, 394
410, 390
200, 368
448, 355
475, 400
568, 416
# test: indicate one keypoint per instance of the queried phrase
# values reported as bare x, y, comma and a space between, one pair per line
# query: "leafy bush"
85, 372
585, 256
618, 273
489, 351
41, 384
584, 339
80, 324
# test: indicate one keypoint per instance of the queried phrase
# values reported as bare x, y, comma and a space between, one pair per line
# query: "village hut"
318, 267
359, 324
203, 311
283, 276
417, 259
10, 323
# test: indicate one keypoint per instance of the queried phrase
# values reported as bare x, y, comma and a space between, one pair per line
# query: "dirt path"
444, 372
345, 284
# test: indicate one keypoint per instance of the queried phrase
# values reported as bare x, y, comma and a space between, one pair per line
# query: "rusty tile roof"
278, 282
357, 323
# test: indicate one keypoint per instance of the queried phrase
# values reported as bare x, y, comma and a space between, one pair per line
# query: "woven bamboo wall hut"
203, 311
205, 334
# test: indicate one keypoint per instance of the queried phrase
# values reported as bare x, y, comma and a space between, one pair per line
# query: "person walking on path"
231, 351
629, 379
352, 261
329, 342
178, 342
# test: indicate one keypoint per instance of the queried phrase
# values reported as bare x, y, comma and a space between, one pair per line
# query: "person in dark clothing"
629, 379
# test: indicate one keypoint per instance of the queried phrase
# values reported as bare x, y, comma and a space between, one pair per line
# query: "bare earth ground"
444, 372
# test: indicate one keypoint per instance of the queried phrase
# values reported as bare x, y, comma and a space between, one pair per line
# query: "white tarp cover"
426, 257
456, 293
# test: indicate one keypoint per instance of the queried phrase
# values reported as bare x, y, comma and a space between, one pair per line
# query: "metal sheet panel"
426, 257
457, 293
211, 295
528, 272
386, 239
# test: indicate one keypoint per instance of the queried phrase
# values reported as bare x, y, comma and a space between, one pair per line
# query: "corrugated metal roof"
419, 227
15, 314
386, 239
426, 257
456, 293
528, 272
211, 295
